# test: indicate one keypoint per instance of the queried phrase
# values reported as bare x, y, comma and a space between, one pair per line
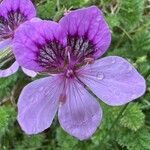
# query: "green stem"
144, 27
120, 41
126, 33
40, 3
58, 5
4, 100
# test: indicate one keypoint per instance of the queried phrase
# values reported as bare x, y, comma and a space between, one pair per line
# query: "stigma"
69, 73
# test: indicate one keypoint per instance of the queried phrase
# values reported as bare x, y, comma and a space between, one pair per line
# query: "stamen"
68, 51
89, 60
81, 47
49, 55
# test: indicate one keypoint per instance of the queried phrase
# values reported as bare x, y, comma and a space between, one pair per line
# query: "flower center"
81, 48
56, 58
69, 73
51, 56
9, 24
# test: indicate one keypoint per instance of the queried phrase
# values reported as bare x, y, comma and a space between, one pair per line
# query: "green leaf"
65, 141
7, 83
131, 12
133, 117
31, 142
7, 116
47, 10
112, 21
139, 140
73, 3
141, 42
143, 65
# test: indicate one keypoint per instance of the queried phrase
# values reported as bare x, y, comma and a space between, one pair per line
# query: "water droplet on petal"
130, 68
117, 93
100, 76
33, 127
113, 61
46, 92
32, 99
98, 19
41, 89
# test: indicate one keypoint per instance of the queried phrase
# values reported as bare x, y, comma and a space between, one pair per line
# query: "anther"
68, 51
89, 60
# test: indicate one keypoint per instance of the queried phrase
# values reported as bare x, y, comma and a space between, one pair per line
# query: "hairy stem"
4, 100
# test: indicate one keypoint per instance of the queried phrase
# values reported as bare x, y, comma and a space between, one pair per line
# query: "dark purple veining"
81, 47
53, 55
9, 24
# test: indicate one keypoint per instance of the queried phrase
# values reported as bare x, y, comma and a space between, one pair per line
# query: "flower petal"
29, 72
81, 114
89, 24
38, 104
5, 44
113, 80
24, 6
39, 44
11, 70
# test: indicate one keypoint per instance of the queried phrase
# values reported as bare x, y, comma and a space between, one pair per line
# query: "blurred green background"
122, 128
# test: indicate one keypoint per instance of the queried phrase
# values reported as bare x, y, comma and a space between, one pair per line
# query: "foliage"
130, 26
134, 140
130, 17
6, 84
7, 115
46, 10
133, 118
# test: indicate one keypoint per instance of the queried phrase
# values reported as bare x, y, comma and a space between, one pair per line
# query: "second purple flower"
12, 15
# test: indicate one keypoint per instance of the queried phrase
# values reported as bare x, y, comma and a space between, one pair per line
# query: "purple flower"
12, 14
68, 52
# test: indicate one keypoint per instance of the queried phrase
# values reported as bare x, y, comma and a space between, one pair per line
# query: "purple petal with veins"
113, 80
43, 49
80, 114
88, 33
38, 104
